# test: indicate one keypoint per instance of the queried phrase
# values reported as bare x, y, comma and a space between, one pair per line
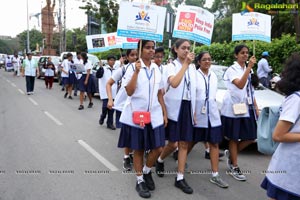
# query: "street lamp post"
28, 43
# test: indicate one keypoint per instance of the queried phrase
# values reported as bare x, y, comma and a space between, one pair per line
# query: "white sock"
140, 179
179, 176
160, 160
207, 150
126, 156
214, 174
146, 170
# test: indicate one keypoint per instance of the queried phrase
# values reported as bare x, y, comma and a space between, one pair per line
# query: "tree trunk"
296, 22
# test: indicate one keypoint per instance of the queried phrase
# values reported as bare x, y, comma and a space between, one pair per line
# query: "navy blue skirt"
277, 193
142, 139
183, 129
65, 80
212, 135
118, 115
243, 128
72, 78
90, 87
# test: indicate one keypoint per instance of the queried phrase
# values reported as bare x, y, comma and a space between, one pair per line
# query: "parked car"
42, 62
264, 96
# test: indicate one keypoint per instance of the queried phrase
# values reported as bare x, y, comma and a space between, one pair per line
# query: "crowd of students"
180, 98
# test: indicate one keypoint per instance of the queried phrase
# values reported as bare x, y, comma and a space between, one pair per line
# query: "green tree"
36, 37
76, 40
106, 11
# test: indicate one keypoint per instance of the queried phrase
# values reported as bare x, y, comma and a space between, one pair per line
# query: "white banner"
251, 26
194, 23
140, 20
105, 42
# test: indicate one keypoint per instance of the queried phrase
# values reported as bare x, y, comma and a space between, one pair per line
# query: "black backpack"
100, 72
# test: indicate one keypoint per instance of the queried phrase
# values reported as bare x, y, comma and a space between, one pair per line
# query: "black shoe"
80, 107
90, 105
149, 181
142, 190
126, 164
66, 94
160, 169
111, 126
101, 121
70, 97
207, 155
75, 94
183, 186
131, 158
62, 89
175, 155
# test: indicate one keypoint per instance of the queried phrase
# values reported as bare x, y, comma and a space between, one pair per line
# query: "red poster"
186, 21
111, 40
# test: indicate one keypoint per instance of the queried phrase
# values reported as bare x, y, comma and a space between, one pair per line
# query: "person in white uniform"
17, 64
108, 71
144, 88
282, 176
119, 101
208, 127
239, 125
180, 99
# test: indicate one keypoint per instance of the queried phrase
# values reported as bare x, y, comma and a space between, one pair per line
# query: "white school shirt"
233, 94
121, 95
49, 71
79, 61
108, 72
16, 61
174, 96
283, 170
162, 69
207, 85
66, 66
30, 67
87, 66
144, 96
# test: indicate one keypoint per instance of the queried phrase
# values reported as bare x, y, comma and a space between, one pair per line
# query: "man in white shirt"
30, 70
263, 70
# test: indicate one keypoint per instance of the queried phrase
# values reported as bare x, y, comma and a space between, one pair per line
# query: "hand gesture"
138, 66
252, 61
190, 58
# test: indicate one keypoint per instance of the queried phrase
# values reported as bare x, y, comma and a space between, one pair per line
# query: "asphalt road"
52, 151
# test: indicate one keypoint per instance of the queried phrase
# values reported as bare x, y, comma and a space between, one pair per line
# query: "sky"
13, 15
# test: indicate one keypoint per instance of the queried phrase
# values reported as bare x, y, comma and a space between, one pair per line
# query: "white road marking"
53, 118
14, 85
21, 91
103, 160
8, 81
33, 101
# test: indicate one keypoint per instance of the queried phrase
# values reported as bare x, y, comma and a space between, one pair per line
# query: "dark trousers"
30, 83
49, 81
265, 81
108, 112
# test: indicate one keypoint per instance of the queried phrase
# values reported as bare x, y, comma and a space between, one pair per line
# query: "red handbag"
141, 118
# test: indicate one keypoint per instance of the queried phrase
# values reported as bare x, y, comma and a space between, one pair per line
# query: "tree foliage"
279, 49
106, 11
35, 36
